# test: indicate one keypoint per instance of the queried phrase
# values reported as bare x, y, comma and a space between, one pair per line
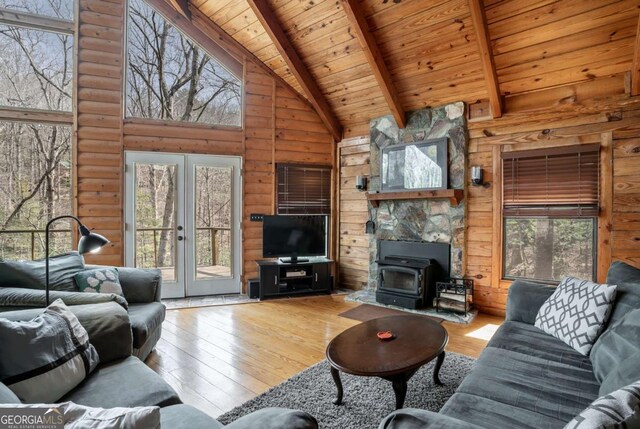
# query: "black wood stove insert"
408, 272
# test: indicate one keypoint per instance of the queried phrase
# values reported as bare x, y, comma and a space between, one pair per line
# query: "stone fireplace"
420, 220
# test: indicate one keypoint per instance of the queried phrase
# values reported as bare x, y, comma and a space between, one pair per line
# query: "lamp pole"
88, 241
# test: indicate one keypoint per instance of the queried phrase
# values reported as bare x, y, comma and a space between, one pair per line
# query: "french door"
182, 215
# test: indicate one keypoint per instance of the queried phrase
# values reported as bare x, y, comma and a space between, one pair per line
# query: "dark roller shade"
558, 182
303, 189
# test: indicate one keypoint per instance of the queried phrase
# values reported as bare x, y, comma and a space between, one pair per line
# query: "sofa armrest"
412, 418
275, 418
138, 285
19, 298
106, 323
525, 298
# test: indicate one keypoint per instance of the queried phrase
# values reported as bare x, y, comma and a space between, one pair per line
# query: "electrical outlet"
256, 217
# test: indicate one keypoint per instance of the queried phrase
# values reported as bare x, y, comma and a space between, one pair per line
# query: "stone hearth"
421, 220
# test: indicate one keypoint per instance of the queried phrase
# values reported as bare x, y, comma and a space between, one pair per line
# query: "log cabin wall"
600, 111
279, 126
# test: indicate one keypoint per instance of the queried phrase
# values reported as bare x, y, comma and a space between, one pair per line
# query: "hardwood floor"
219, 357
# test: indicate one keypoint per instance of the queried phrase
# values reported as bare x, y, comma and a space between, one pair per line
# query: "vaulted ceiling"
431, 49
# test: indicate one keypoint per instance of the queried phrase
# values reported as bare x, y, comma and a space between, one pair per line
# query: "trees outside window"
171, 78
35, 158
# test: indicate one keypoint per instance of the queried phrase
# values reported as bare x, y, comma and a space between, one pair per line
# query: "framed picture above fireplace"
415, 165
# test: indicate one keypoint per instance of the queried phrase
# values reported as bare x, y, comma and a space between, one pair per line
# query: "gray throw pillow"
50, 355
31, 274
99, 280
75, 416
576, 312
617, 410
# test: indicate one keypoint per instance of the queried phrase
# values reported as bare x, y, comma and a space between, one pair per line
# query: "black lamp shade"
90, 241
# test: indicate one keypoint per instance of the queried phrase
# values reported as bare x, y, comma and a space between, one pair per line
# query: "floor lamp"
89, 242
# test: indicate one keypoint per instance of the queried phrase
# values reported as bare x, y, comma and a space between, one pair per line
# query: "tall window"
170, 77
303, 189
550, 210
36, 85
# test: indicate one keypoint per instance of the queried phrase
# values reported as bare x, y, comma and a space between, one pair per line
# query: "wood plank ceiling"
431, 50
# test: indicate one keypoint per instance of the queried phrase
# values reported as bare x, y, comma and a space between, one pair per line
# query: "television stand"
293, 260
278, 278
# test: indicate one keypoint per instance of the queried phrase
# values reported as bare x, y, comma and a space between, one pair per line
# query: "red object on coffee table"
386, 335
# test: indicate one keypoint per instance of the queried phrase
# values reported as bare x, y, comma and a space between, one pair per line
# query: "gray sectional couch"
123, 380
142, 288
526, 378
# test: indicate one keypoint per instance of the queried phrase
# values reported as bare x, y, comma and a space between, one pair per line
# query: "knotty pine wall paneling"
279, 126
598, 111
354, 158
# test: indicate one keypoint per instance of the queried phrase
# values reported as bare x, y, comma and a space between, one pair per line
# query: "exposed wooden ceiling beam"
359, 25
479, 19
182, 6
272, 26
635, 71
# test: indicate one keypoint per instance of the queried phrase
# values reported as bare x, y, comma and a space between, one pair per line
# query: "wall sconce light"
476, 175
361, 183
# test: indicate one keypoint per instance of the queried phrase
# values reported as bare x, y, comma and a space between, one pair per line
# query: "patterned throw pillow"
619, 409
45, 358
576, 312
99, 280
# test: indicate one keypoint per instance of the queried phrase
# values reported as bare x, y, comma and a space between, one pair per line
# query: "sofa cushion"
623, 374
616, 344
106, 323
186, 417
274, 417
83, 417
491, 414
7, 396
47, 356
619, 409
99, 280
140, 285
577, 312
627, 280
527, 339
145, 319
543, 386
31, 274
127, 383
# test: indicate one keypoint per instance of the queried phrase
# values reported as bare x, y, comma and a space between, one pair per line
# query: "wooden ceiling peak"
635, 71
358, 21
479, 19
182, 6
307, 82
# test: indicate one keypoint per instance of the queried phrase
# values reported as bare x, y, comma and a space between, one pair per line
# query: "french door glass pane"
155, 245
213, 222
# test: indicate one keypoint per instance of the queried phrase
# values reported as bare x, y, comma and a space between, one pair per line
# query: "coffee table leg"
400, 388
436, 370
336, 379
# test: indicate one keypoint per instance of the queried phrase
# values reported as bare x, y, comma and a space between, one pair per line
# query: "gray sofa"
528, 379
123, 380
141, 287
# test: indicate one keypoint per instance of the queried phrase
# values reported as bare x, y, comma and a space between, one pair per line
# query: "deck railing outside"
218, 241
34, 243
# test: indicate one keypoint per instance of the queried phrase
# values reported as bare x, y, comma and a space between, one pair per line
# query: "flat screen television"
294, 236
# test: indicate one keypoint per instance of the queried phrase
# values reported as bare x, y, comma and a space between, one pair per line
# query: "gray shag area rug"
367, 400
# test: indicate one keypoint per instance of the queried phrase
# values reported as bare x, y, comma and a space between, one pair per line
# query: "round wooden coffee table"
358, 351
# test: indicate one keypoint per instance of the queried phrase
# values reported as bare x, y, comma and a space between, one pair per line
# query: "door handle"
316, 277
